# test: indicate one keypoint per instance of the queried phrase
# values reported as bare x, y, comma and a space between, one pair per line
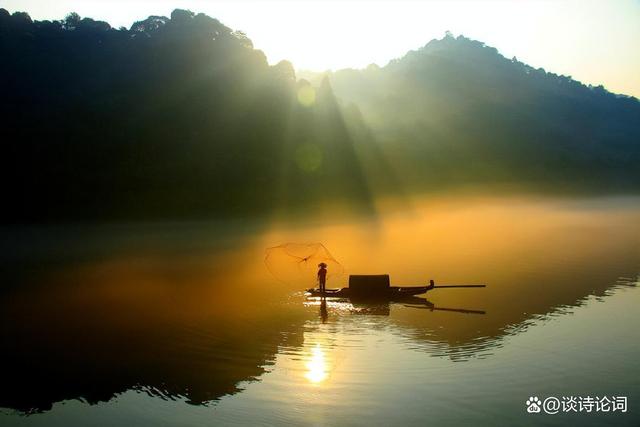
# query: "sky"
594, 41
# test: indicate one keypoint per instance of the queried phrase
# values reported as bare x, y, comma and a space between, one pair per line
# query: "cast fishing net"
297, 263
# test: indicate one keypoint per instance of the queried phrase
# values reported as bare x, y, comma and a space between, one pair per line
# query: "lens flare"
309, 157
307, 95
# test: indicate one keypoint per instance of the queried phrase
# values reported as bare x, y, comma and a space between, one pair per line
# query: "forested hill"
469, 113
174, 117
181, 117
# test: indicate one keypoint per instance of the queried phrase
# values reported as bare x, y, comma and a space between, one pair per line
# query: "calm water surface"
182, 324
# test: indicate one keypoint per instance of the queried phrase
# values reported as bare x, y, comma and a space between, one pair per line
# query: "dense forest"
181, 117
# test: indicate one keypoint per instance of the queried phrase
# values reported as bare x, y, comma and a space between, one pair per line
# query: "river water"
182, 324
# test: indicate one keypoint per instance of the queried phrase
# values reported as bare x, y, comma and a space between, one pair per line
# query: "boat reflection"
426, 304
380, 308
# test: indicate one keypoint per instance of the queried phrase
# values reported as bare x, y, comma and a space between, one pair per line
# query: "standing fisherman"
322, 276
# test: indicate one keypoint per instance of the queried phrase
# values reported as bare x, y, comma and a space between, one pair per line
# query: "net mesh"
297, 263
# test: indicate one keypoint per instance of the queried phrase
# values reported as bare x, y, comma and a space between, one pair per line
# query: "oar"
459, 310
458, 286
430, 306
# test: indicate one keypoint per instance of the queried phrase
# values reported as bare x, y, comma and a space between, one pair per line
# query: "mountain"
181, 117
457, 111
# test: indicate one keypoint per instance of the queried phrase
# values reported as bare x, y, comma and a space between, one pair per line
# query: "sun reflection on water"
316, 366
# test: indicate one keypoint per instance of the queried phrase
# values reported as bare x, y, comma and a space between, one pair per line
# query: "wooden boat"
378, 287
391, 292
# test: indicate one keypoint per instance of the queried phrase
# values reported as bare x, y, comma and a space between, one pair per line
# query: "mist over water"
182, 322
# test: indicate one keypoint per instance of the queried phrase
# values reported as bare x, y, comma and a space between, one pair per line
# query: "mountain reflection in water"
188, 311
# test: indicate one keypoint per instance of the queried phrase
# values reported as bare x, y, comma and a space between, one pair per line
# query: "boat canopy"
369, 283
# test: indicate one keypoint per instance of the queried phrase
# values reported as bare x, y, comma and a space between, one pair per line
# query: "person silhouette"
322, 276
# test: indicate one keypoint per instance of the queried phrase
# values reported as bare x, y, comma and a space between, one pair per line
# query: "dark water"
181, 324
